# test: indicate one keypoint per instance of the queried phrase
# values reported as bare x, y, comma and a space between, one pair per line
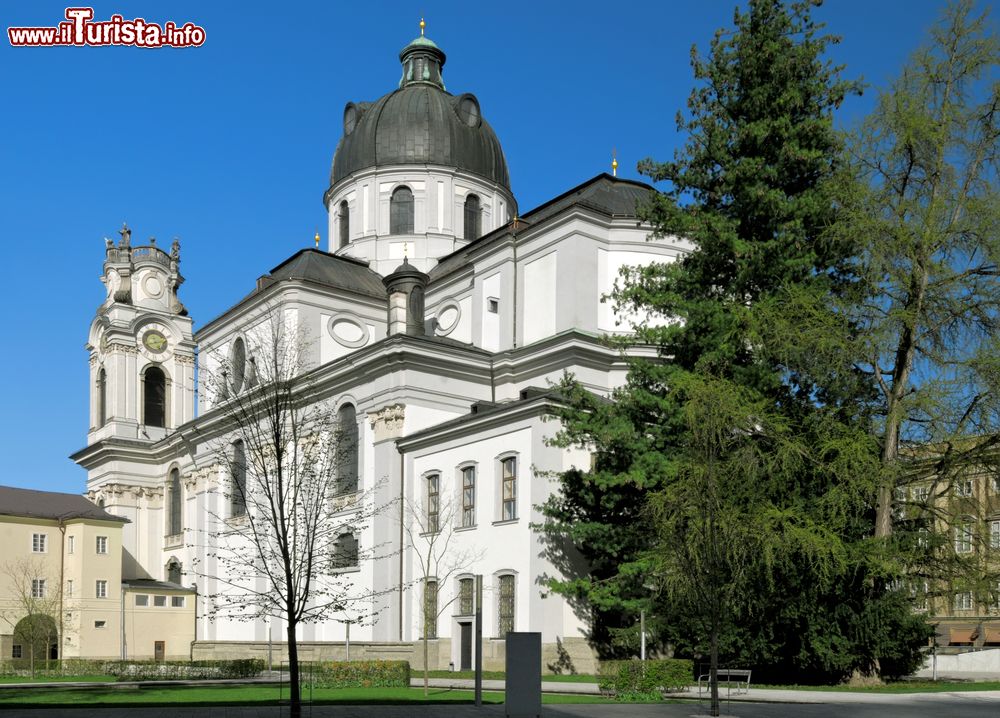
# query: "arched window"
347, 450
174, 571
174, 505
102, 397
345, 551
466, 596
238, 361
345, 224
430, 608
472, 217
237, 494
154, 397
401, 211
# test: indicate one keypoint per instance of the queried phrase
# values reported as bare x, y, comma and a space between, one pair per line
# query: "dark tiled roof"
324, 268
50, 505
605, 194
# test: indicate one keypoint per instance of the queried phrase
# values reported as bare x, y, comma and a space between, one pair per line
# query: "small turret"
406, 287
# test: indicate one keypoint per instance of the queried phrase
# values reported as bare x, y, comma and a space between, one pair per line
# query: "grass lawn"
251, 695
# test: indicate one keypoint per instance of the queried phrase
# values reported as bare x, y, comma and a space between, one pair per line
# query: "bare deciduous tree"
32, 607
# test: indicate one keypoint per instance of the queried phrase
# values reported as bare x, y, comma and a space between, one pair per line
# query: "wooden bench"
737, 680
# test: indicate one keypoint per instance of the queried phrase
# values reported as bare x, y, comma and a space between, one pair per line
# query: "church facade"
440, 318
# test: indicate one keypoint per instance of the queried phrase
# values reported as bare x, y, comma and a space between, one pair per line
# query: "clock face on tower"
154, 341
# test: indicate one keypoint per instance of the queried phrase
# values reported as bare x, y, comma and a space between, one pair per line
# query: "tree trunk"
426, 673
294, 694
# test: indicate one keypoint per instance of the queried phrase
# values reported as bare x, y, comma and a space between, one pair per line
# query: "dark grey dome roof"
420, 123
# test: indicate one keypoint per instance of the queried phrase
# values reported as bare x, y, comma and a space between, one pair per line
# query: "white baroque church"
442, 317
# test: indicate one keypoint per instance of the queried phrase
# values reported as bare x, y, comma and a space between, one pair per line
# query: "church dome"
420, 124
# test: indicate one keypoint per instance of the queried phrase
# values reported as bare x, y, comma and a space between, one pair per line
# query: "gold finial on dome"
422, 26
316, 240
614, 162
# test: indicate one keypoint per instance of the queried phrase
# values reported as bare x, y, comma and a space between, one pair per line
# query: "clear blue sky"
228, 146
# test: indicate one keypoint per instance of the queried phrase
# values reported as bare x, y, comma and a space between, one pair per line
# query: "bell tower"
142, 354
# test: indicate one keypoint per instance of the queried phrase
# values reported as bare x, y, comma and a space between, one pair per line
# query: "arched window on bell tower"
154, 397
102, 397
174, 504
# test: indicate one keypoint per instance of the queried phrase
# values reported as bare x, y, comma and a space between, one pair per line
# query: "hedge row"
184, 670
358, 674
629, 680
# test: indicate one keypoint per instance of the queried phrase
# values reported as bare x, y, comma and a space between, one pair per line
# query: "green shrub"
631, 680
359, 674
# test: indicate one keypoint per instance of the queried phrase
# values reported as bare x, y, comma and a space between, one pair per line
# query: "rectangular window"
505, 606
493, 305
101, 589
69, 588
177, 601
100, 624
39, 543
70, 544
921, 494
923, 538
963, 601
433, 502
15, 651
963, 538
430, 608
160, 601
508, 489
963, 487
38, 588
468, 497
995, 533
102, 544
919, 593
466, 597
141, 600
996, 484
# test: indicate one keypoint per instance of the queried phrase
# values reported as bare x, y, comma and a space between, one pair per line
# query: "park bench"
737, 680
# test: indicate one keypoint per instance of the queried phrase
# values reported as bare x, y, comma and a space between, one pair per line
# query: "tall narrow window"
468, 497
466, 591
345, 551
238, 364
505, 606
102, 397
430, 608
102, 545
963, 537
345, 224
174, 571
174, 503
347, 449
101, 589
433, 503
508, 488
401, 211
154, 393
237, 494
995, 533
472, 217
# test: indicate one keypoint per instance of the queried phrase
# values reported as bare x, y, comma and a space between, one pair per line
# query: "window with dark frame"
174, 503
237, 494
430, 608
16, 651
468, 497
154, 393
505, 606
433, 503
401, 211
473, 216
345, 224
345, 551
508, 488
466, 596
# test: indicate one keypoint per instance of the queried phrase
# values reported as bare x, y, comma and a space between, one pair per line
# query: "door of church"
158, 650
466, 662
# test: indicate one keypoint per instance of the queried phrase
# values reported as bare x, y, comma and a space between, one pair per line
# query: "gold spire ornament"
422, 26
316, 240
614, 162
